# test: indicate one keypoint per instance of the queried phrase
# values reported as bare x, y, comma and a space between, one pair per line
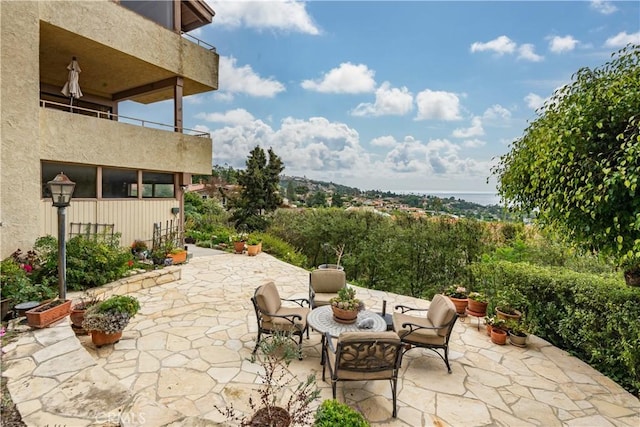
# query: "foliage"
111, 315
281, 249
346, 299
260, 190
578, 163
332, 413
478, 296
276, 353
590, 316
16, 284
206, 216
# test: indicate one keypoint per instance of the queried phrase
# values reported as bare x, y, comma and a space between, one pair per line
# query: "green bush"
17, 286
332, 413
281, 249
592, 317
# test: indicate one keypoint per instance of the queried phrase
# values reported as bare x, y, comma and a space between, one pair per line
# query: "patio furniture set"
361, 351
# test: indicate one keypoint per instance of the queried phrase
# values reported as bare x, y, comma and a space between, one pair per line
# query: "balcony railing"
122, 119
199, 42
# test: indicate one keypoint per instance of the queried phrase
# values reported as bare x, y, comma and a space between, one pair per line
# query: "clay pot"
238, 247
506, 316
341, 315
100, 338
461, 305
275, 417
479, 308
498, 336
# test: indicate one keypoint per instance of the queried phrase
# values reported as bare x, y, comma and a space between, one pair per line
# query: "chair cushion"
421, 336
441, 312
268, 299
323, 299
282, 324
327, 280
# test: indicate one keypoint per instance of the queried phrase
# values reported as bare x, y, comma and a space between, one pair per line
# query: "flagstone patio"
187, 350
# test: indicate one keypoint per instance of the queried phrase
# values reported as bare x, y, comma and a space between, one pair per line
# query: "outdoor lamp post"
61, 188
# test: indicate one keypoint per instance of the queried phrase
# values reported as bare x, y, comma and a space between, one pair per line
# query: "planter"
478, 308
46, 314
506, 316
498, 336
330, 267
5, 308
461, 305
272, 417
77, 317
341, 315
99, 338
518, 340
238, 247
253, 250
178, 258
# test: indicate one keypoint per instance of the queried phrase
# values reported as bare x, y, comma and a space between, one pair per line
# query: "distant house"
128, 172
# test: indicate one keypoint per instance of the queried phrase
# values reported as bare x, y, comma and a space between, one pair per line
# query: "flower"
2, 331
456, 291
26, 267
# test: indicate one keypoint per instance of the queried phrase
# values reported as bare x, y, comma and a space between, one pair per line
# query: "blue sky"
389, 95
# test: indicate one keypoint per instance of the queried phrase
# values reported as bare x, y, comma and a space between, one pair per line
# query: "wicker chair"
324, 284
273, 317
431, 331
364, 356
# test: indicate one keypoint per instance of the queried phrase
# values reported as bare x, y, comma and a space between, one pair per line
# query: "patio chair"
273, 317
324, 284
431, 331
364, 356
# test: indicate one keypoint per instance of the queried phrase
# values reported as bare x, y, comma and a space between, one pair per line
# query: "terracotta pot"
461, 305
178, 258
480, 308
99, 338
506, 316
253, 250
273, 417
341, 315
489, 328
238, 247
77, 317
44, 315
498, 336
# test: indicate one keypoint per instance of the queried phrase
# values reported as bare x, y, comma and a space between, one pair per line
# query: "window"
119, 183
85, 178
157, 185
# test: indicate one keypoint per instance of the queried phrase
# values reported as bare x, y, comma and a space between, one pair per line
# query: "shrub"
281, 249
591, 317
16, 284
333, 413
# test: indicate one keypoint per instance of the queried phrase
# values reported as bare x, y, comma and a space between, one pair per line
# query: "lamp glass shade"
61, 188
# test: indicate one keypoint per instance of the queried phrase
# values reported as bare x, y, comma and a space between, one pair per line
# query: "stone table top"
321, 320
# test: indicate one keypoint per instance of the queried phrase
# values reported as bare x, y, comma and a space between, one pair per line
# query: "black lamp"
61, 188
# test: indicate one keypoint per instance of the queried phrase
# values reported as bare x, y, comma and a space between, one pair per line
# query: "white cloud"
496, 111
526, 52
244, 80
238, 116
389, 101
534, 101
282, 15
347, 78
384, 141
437, 105
622, 39
500, 45
603, 6
474, 143
474, 130
222, 96
560, 44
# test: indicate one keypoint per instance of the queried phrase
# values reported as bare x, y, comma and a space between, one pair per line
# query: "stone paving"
187, 350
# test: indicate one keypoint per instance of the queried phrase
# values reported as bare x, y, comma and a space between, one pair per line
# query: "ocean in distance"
484, 198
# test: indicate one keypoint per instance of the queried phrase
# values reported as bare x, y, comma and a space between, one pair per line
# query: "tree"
319, 199
578, 164
337, 201
259, 193
291, 192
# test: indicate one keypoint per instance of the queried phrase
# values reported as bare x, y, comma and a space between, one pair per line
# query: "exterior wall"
113, 25
77, 138
134, 219
19, 109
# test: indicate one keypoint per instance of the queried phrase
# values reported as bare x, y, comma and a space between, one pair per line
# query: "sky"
415, 96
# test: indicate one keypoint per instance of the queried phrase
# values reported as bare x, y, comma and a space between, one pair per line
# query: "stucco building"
128, 172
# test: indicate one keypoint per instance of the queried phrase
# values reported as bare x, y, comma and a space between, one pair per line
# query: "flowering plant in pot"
458, 295
517, 333
478, 302
78, 310
107, 319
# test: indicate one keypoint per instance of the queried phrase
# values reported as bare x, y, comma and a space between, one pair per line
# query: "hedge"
595, 318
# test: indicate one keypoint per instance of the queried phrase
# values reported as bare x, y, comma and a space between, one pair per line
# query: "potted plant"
339, 250
276, 353
332, 413
178, 256
46, 314
517, 333
478, 302
238, 240
458, 295
505, 307
106, 320
139, 249
77, 312
346, 306
493, 322
254, 245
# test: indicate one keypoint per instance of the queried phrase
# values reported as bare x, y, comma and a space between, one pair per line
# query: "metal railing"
199, 42
123, 119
